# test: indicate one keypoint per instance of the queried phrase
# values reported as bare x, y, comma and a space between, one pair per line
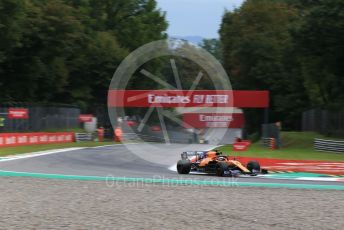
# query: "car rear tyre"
221, 168
253, 166
184, 166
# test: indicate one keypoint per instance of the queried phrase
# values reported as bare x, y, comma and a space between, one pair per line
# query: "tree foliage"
66, 51
319, 40
291, 48
213, 46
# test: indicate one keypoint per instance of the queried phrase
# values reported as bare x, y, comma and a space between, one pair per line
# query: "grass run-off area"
5, 151
295, 146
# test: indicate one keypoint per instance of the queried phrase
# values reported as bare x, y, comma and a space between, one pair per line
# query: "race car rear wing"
189, 154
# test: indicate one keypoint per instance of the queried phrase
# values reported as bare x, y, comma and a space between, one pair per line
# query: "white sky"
196, 17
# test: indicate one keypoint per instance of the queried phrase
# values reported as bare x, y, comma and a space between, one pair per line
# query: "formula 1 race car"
213, 162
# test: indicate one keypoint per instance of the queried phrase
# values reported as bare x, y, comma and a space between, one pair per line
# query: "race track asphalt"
117, 161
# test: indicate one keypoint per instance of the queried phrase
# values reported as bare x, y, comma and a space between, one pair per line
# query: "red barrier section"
85, 117
240, 146
185, 98
18, 113
18, 139
321, 167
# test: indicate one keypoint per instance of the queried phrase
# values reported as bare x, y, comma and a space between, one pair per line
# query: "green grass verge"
57, 130
5, 151
296, 145
76, 130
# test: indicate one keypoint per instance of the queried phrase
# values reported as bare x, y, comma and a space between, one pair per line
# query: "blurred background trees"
66, 51
294, 49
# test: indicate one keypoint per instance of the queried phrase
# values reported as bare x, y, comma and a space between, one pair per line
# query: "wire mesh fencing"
323, 121
40, 118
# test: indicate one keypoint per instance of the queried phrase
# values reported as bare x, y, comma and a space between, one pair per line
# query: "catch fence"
324, 122
40, 117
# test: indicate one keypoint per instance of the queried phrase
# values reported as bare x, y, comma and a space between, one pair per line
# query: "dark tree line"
292, 48
66, 51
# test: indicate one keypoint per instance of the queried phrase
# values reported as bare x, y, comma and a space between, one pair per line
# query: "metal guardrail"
265, 142
269, 142
83, 137
328, 145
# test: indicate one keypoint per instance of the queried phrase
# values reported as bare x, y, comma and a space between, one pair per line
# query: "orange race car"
213, 162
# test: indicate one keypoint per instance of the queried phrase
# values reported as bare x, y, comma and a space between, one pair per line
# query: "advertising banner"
17, 139
240, 146
185, 98
213, 120
18, 113
85, 117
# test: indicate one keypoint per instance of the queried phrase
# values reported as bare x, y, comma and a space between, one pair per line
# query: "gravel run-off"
29, 203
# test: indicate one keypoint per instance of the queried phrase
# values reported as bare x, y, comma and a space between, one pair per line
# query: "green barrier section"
296, 174
171, 181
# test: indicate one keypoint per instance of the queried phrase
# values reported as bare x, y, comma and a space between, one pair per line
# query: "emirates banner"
213, 120
185, 98
17, 139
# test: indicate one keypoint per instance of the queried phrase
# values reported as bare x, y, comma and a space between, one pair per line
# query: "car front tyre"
221, 168
253, 166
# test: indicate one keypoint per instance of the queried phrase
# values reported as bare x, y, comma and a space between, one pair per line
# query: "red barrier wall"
18, 139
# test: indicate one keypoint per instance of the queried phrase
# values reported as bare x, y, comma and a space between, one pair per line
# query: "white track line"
320, 178
48, 152
37, 154
103, 146
113, 145
324, 179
